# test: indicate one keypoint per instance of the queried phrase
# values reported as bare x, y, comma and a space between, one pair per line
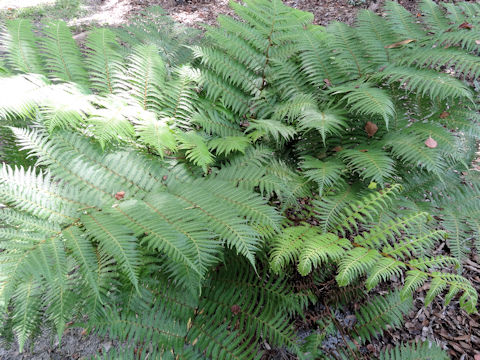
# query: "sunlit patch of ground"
19, 4
108, 12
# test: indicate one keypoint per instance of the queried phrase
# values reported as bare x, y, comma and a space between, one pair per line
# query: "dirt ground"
195, 12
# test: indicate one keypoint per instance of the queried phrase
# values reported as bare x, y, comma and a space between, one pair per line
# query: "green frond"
391, 229
146, 76
116, 240
355, 264
287, 245
434, 16
27, 311
216, 121
376, 35
402, 21
166, 228
372, 164
315, 56
325, 173
38, 194
415, 246
221, 219
426, 82
156, 133
379, 313
457, 234
229, 144
319, 250
84, 254
20, 43
196, 149
421, 350
180, 96
176, 179
366, 100
465, 65
294, 108
153, 26
411, 149
104, 61
383, 270
365, 208
21, 98
61, 54
329, 209
350, 56
113, 121
269, 128
326, 122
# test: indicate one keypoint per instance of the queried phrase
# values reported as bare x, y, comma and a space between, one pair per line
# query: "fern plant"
386, 249
165, 171
369, 321
384, 101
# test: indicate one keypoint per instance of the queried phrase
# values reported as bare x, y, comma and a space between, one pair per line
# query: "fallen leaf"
363, 150
398, 44
431, 143
235, 309
465, 25
327, 82
371, 128
120, 195
463, 337
337, 148
456, 347
444, 114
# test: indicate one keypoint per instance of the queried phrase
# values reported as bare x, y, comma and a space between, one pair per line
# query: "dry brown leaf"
337, 148
363, 150
371, 128
120, 195
465, 25
431, 143
444, 114
398, 44
235, 309
456, 347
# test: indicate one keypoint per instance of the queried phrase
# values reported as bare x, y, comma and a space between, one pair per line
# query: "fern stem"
340, 329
